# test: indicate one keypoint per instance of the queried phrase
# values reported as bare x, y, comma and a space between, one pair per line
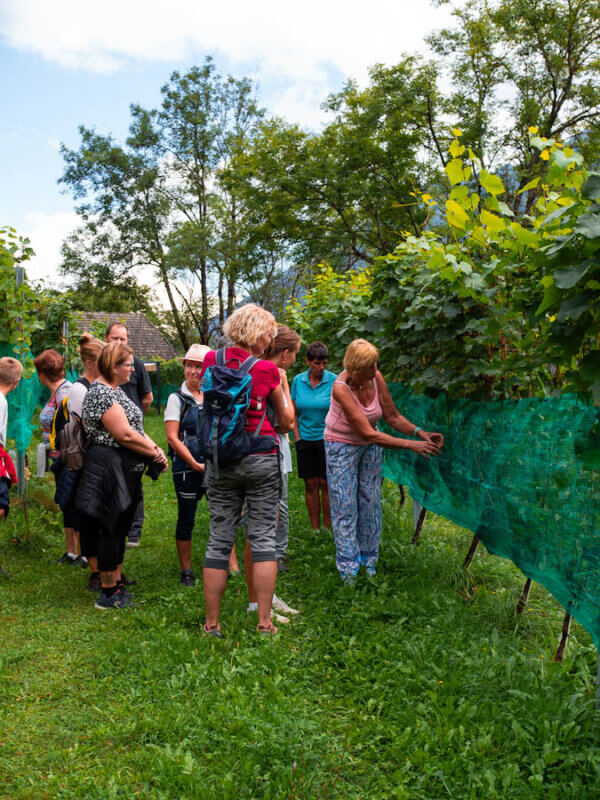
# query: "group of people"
333, 420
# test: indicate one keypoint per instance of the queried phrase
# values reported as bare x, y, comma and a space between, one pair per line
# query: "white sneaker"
277, 617
280, 605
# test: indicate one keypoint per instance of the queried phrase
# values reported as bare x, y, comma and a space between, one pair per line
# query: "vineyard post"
524, 599
419, 514
566, 630
402, 494
158, 386
471, 553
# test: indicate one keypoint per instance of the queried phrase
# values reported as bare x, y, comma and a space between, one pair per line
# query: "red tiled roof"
147, 341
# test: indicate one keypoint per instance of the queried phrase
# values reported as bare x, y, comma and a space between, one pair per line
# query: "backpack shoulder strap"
53, 397
186, 404
247, 365
84, 381
256, 433
220, 357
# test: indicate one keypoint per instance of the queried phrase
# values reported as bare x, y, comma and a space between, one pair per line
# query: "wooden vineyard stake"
402, 494
471, 553
524, 597
566, 630
419, 526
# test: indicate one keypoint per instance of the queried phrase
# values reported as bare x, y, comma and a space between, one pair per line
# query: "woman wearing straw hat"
181, 413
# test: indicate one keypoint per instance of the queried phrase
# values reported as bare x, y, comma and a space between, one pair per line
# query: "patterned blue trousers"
354, 481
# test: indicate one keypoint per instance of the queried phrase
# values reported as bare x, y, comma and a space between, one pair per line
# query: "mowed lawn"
424, 685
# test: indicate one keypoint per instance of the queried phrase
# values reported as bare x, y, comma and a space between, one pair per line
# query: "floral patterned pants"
354, 480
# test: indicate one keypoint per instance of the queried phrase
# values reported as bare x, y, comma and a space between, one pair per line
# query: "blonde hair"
360, 355
248, 323
113, 354
10, 371
90, 347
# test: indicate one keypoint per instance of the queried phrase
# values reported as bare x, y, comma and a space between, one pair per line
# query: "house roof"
147, 341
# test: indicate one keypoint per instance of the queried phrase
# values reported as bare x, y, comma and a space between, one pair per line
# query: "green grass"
426, 685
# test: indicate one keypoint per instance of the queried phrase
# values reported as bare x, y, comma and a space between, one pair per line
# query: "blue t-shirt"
312, 404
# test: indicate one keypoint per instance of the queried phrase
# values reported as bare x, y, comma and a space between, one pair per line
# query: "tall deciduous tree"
204, 121
344, 194
124, 206
515, 64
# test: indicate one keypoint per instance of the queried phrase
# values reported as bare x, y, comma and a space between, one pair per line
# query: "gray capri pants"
283, 522
254, 479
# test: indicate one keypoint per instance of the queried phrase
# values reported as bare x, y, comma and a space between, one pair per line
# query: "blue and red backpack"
222, 436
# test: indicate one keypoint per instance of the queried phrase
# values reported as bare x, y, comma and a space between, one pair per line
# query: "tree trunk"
230, 296
164, 277
221, 300
191, 311
204, 289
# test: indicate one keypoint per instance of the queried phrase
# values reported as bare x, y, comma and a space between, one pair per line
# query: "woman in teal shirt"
311, 393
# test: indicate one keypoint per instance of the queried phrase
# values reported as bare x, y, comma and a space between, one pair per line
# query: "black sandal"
214, 632
271, 630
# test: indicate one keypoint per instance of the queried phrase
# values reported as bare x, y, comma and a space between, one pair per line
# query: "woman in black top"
115, 462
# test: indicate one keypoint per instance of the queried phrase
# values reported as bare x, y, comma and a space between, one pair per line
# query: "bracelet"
416, 430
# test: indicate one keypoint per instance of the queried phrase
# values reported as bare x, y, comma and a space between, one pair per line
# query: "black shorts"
4, 498
311, 459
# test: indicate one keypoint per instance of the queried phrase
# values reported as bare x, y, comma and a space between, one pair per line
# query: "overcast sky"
70, 62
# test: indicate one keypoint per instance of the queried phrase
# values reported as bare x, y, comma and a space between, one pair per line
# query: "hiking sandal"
267, 630
215, 632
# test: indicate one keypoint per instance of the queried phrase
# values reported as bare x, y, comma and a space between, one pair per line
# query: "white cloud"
273, 38
47, 233
301, 102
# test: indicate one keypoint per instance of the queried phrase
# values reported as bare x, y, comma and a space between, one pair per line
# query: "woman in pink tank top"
353, 449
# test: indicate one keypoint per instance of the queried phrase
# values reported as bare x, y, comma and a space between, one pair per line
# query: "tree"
96, 284
20, 317
521, 63
124, 206
344, 195
170, 198
494, 310
203, 123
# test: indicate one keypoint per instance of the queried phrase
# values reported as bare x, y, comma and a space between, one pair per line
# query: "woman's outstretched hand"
436, 439
425, 448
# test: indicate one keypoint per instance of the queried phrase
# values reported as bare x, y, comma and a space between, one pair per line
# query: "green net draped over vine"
524, 476
22, 403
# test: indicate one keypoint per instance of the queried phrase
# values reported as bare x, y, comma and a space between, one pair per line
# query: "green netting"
524, 476
165, 390
22, 403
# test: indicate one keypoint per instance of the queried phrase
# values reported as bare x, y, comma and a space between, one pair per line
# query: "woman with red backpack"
255, 476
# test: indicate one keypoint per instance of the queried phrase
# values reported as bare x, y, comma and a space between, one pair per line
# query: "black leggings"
189, 490
111, 541
89, 534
